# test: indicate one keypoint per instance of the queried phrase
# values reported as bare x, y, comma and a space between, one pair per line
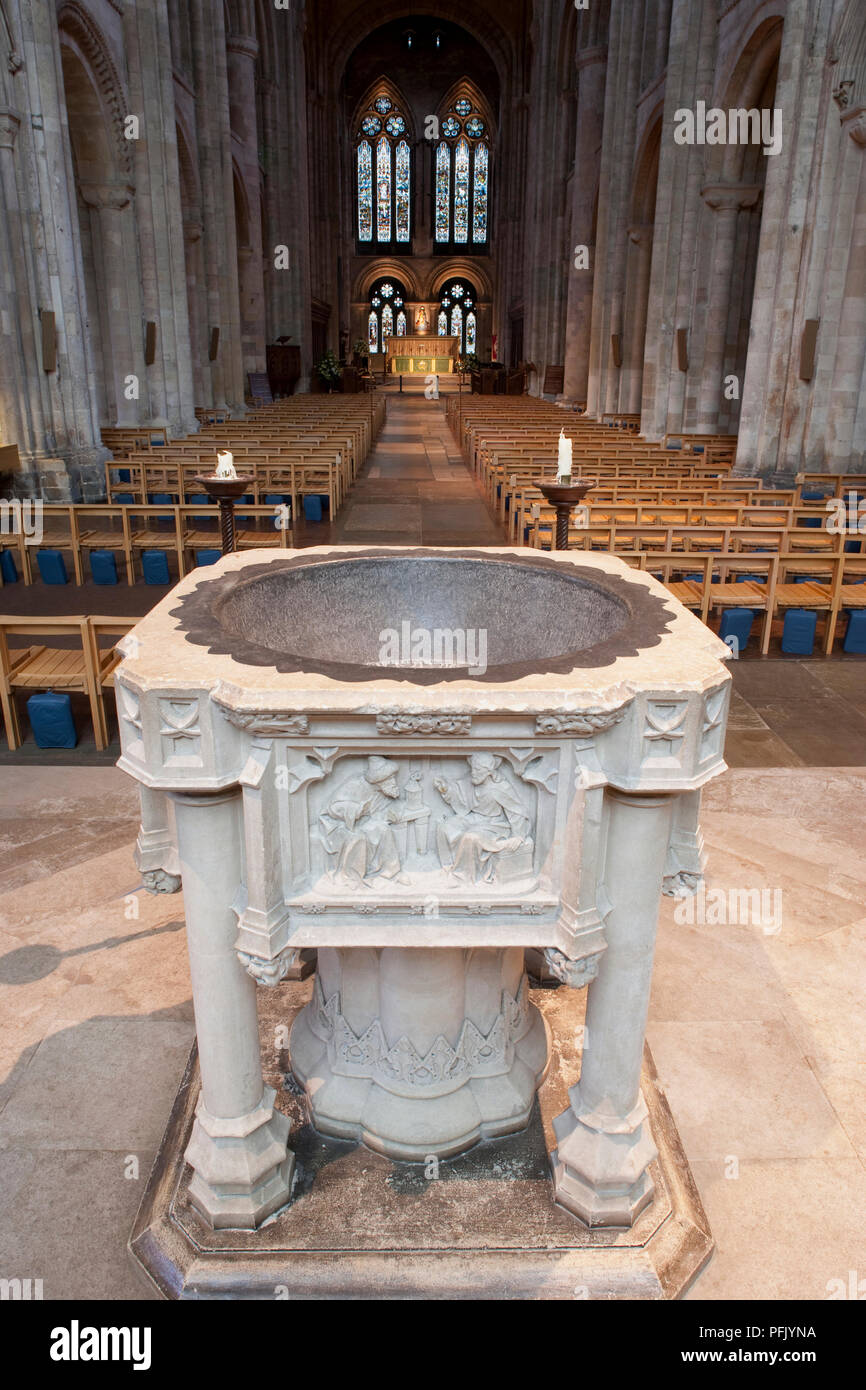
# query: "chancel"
432, 478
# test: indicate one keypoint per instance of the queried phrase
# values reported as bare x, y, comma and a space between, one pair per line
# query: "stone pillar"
238, 1148
60, 444
241, 56
641, 238
14, 412
846, 420
111, 219
159, 215
726, 201
196, 291
592, 73
604, 1143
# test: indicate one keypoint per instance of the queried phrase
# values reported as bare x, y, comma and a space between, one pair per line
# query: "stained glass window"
461, 191
479, 206
384, 169
383, 190
403, 191
387, 316
443, 192
462, 180
457, 317
365, 192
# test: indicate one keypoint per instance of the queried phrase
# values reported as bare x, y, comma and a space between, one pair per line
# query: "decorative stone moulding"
421, 826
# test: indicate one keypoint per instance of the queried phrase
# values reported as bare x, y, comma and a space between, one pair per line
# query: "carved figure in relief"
357, 826
486, 839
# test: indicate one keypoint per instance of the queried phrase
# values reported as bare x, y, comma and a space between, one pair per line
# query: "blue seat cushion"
103, 566
8, 567
52, 567
50, 715
207, 557
737, 622
798, 633
155, 566
855, 637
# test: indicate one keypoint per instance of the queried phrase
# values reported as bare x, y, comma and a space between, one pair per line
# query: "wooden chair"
45, 667
105, 660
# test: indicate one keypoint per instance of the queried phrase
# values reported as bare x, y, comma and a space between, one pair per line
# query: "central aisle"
415, 488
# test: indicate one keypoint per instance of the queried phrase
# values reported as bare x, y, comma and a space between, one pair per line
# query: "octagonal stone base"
482, 1225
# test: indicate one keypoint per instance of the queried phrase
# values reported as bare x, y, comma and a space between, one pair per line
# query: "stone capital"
107, 196
9, 123
730, 197
855, 123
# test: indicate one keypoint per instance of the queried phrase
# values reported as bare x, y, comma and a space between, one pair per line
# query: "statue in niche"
357, 827
486, 839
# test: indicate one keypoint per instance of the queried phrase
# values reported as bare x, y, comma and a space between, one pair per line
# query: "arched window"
387, 300
461, 173
383, 163
457, 314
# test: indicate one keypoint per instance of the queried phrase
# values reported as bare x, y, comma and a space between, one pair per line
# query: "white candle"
564, 465
225, 465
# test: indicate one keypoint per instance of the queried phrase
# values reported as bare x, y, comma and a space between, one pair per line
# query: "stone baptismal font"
429, 766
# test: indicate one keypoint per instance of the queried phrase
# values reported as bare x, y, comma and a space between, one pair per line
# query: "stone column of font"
600, 1167
238, 1148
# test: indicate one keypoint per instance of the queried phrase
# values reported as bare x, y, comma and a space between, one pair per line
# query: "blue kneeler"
312, 507
50, 716
855, 637
8, 567
750, 579
103, 566
275, 499
207, 557
155, 566
52, 567
737, 622
124, 499
161, 499
798, 633
200, 499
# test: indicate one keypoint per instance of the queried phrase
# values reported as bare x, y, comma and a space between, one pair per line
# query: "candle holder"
564, 496
225, 491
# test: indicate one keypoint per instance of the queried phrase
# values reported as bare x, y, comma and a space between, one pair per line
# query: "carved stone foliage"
268, 725
576, 973
269, 972
369, 1055
583, 723
391, 722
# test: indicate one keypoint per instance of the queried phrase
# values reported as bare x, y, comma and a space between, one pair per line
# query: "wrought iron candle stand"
225, 491
564, 497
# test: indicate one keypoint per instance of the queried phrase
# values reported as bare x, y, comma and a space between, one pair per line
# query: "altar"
422, 353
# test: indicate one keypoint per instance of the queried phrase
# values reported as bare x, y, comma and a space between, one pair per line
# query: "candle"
563, 472
225, 465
